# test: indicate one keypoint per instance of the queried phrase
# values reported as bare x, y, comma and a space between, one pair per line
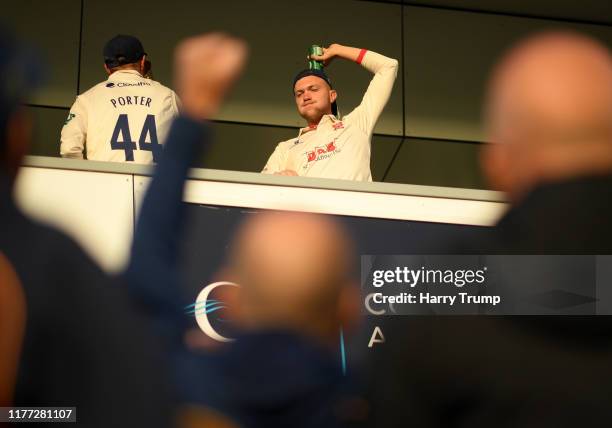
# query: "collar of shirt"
124, 74
324, 120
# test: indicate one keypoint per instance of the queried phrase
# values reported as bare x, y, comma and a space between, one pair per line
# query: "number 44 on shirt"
148, 132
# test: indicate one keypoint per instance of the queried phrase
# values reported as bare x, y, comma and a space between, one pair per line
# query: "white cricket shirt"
340, 148
124, 119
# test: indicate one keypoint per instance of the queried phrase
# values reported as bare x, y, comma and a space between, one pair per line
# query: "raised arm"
205, 69
335, 50
385, 71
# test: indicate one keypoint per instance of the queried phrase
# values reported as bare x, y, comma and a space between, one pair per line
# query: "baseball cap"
321, 75
122, 49
20, 72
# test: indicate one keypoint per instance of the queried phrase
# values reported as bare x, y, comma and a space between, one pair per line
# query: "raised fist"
205, 69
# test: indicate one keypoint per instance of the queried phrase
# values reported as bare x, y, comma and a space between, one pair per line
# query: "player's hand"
329, 53
287, 172
205, 69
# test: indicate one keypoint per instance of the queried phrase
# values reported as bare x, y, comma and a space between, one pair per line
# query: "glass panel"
48, 124
437, 163
448, 56
57, 38
279, 35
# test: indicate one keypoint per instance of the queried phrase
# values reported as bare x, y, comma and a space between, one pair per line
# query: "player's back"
125, 118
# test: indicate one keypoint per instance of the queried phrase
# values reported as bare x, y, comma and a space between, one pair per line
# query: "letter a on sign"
377, 337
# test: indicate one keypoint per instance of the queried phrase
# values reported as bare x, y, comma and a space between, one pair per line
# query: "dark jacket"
570, 217
520, 371
84, 345
276, 379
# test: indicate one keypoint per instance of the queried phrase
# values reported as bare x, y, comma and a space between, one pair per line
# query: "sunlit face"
313, 98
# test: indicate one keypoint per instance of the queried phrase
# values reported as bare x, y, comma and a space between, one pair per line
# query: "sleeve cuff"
361, 55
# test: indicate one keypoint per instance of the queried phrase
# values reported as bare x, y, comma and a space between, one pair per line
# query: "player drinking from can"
330, 146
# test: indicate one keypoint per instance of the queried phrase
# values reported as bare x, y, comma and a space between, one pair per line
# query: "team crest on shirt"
338, 125
69, 118
321, 152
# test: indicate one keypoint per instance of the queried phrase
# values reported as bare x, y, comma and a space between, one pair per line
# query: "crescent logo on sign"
367, 301
204, 306
368, 305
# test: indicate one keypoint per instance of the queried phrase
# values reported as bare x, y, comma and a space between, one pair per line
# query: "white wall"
97, 208
94, 208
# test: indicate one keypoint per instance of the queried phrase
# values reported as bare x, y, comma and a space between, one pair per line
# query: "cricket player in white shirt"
333, 147
126, 117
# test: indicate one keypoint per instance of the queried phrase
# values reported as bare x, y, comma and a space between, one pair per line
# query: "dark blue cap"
20, 73
121, 50
321, 75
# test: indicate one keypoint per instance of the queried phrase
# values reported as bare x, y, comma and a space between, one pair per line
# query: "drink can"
312, 64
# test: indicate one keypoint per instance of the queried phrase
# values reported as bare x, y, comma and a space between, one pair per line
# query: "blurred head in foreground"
295, 273
20, 73
549, 113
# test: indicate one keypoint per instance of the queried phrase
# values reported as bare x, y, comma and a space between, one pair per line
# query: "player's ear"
108, 70
332, 95
143, 65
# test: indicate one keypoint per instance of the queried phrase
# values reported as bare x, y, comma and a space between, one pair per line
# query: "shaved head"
294, 269
549, 107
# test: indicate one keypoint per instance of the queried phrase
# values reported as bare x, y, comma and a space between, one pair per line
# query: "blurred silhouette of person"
84, 346
549, 120
293, 270
294, 281
296, 293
